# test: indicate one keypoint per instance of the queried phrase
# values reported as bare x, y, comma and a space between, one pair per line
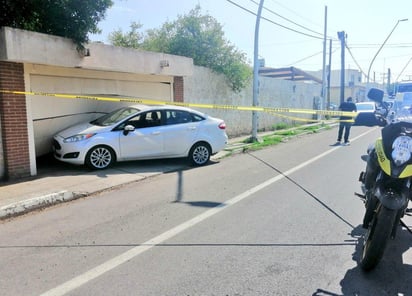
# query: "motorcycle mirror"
376, 95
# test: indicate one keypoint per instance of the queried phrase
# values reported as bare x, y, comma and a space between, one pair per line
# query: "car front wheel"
199, 154
100, 157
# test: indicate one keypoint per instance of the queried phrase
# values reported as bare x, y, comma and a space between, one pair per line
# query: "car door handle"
156, 133
191, 128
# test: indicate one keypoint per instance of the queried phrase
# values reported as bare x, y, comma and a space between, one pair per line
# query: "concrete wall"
37, 48
207, 87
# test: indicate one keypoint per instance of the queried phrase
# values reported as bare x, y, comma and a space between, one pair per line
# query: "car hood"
366, 111
83, 128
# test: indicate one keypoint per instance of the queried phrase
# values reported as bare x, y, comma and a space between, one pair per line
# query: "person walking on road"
345, 121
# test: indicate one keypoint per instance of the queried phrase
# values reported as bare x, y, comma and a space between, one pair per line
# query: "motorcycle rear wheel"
376, 237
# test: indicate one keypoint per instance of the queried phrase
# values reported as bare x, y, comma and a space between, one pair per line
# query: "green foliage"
72, 19
131, 39
281, 125
194, 35
283, 133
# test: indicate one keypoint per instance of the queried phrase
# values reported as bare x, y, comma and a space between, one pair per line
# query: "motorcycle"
386, 184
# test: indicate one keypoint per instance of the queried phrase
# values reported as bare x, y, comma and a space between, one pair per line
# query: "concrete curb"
31, 204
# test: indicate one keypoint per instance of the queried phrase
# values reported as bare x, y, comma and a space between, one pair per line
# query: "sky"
291, 32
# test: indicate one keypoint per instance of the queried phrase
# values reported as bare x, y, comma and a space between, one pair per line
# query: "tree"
72, 19
132, 39
196, 36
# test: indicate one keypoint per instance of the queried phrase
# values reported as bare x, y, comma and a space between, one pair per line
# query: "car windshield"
406, 87
115, 116
365, 107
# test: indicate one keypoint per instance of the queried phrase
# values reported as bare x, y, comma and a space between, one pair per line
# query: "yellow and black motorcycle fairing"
387, 165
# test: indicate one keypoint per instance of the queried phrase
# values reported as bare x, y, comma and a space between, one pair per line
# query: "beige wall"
206, 87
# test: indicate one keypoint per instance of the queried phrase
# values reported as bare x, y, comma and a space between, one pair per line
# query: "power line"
275, 23
353, 58
296, 31
294, 12
288, 20
371, 45
306, 58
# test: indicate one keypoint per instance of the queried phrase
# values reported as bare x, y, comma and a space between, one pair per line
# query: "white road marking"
128, 255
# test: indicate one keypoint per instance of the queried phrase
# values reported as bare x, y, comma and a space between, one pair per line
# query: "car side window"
153, 118
196, 117
142, 120
178, 117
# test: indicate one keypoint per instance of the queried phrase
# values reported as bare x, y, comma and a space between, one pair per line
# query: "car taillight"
222, 125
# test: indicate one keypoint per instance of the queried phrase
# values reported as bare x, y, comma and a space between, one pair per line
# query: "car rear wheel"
200, 154
100, 157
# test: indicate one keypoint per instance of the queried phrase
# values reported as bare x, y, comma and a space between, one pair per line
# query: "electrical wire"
310, 35
275, 23
294, 12
397, 78
370, 45
288, 20
306, 58
353, 58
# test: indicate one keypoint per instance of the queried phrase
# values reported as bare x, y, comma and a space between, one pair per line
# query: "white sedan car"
142, 132
366, 107
368, 115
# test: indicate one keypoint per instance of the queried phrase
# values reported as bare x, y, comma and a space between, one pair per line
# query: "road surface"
279, 221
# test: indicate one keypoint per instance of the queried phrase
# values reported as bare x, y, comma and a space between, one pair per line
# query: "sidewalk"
63, 182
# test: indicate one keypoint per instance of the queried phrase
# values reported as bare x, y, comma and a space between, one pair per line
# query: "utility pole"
323, 93
329, 70
254, 137
388, 89
342, 36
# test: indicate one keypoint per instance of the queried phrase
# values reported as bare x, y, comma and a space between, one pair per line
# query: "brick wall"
178, 89
13, 117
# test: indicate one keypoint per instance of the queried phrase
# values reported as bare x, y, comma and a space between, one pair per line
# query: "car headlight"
402, 148
77, 138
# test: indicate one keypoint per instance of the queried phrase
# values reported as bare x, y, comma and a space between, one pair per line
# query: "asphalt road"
280, 221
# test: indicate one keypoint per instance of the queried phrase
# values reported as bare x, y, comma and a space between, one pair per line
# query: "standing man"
345, 121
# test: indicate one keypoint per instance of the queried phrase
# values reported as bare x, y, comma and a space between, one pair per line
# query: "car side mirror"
127, 129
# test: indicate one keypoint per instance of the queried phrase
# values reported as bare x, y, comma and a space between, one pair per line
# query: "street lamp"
370, 66
254, 137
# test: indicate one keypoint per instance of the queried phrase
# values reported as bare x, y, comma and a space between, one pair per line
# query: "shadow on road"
391, 277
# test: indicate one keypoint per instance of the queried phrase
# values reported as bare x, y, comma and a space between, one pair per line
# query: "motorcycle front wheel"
376, 238
371, 203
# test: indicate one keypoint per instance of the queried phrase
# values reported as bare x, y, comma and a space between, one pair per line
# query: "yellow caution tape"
192, 105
